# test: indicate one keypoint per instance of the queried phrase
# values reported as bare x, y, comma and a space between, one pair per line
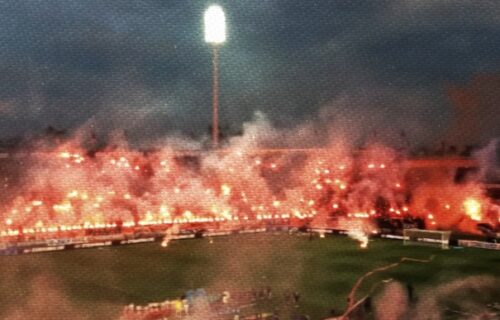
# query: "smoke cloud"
392, 304
469, 298
46, 300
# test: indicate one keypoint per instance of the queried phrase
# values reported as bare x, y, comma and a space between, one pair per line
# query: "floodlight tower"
215, 35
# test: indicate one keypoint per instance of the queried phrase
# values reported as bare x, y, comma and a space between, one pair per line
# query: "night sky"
143, 66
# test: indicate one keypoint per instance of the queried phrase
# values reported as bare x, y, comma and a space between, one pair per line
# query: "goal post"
413, 236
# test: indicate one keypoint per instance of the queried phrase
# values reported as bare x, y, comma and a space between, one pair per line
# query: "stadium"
348, 167
200, 247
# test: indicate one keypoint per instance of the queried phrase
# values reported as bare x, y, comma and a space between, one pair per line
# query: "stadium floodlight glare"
215, 25
215, 35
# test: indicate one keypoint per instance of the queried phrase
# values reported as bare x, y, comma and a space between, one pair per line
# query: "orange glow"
226, 190
69, 190
473, 209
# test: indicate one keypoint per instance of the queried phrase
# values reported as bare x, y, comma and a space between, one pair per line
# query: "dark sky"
143, 65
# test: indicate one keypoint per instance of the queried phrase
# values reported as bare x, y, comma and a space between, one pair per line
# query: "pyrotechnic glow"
215, 25
360, 236
69, 191
226, 190
473, 208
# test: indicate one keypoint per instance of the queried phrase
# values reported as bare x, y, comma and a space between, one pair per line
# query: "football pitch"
99, 282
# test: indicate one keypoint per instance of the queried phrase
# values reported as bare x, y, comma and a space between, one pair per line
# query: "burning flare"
473, 209
360, 236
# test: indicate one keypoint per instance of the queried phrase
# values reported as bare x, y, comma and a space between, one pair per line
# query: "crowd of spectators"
197, 304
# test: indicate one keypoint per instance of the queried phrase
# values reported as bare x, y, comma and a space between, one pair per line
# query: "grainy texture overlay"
270, 159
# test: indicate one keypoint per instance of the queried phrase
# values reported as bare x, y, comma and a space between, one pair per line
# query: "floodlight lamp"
215, 25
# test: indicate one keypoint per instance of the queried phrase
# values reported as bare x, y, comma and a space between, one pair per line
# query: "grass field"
101, 281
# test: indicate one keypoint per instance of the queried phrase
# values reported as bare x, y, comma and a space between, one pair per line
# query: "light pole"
215, 35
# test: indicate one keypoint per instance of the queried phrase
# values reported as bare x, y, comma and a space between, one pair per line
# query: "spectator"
296, 298
268, 293
409, 289
185, 305
178, 307
225, 297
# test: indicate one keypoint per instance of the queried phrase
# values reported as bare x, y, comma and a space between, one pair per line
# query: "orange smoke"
473, 209
67, 190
